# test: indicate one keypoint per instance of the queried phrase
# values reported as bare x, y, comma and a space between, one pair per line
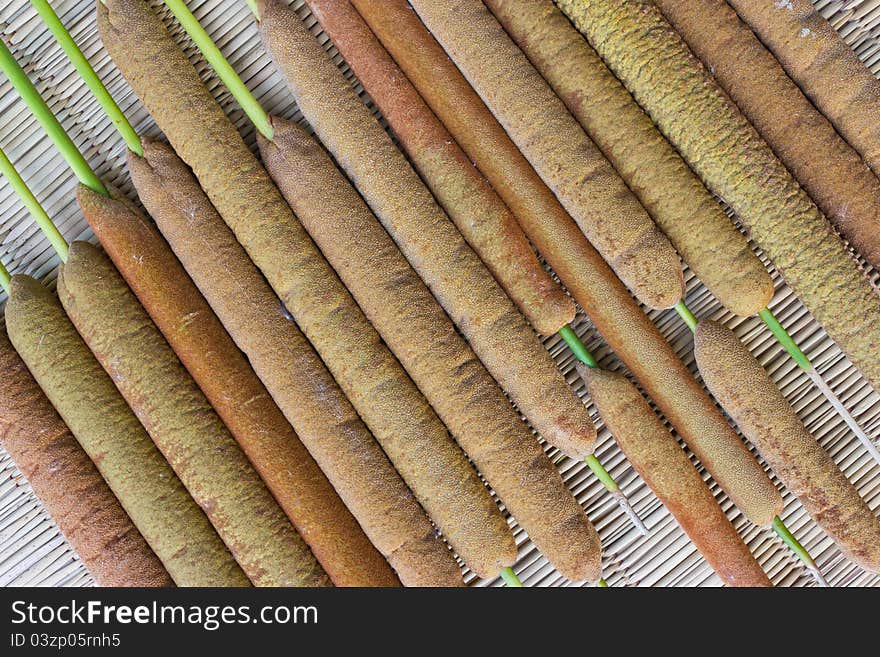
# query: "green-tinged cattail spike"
87, 73
258, 116
33, 206
50, 123
224, 70
778, 526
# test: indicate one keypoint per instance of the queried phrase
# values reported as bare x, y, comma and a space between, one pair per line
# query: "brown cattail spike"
558, 148
840, 183
68, 484
828, 70
415, 326
230, 384
664, 466
182, 423
482, 217
695, 114
495, 330
693, 220
294, 374
769, 422
137, 473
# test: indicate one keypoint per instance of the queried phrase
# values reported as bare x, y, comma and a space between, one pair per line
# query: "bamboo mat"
32, 551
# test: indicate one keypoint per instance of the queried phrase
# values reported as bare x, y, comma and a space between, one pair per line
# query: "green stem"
5, 278
601, 584
252, 5
510, 578
785, 340
789, 539
51, 125
577, 347
33, 206
583, 354
224, 71
801, 359
800, 551
685, 313
93, 82
601, 473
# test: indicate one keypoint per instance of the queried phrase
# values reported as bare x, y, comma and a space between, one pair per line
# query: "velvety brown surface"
431, 463
480, 215
182, 423
69, 485
558, 148
627, 330
664, 466
223, 373
840, 183
694, 113
706, 238
282, 357
824, 66
413, 324
496, 331
769, 422
137, 473
417, 331
263, 223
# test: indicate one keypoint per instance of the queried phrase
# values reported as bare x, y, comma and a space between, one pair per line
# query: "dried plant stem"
255, 112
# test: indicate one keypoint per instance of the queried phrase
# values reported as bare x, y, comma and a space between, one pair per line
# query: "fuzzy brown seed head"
299, 382
695, 114
665, 467
223, 373
558, 148
264, 225
480, 215
461, 390
69, 485
626, 329
766, 418
690, 410
684, 209
840, 183
476, 304
822, 64
137, 473
182, 423
413, 325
